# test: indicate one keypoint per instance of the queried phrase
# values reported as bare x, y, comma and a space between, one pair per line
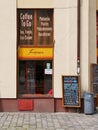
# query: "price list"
70, 91
95, 78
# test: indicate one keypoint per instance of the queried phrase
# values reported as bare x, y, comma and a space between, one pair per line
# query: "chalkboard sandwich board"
94, 78
71, 91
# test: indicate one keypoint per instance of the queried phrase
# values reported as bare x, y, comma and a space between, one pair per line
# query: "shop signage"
44, 27
35, 53
94, 78
25, 27
35, 30
71, 91
48, 71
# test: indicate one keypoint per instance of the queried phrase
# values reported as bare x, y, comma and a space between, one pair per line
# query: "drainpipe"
78, 37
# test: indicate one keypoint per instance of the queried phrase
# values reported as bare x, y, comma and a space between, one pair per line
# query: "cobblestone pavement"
47, 121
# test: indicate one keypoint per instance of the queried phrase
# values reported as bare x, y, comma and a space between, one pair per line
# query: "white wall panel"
97, 4
88, 41
65, 3
65, 49
8, 49
35, 3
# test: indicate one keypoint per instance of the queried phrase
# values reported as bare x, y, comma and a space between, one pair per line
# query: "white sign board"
48, 71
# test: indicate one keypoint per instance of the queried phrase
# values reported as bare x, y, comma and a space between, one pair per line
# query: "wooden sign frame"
94, 78
71, 91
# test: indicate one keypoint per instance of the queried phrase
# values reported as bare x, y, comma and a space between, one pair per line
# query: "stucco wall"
65, 46
35, 3
8, 49
97, 4
88, 41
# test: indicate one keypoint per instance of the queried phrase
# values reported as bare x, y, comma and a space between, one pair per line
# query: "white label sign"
48, 71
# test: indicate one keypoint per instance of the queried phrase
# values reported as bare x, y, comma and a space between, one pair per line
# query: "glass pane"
44, 27
31, 78
40, 77
22, 77
48, 78
25, 27
34, 77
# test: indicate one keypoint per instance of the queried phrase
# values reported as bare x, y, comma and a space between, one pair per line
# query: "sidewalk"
47, 121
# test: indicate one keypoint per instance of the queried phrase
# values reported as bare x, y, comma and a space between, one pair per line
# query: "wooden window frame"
35, 30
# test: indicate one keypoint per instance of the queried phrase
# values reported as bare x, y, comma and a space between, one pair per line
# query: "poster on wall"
71, 91
25, 27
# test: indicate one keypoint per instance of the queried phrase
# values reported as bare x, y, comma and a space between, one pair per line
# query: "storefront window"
35, 27
35, 51
25, 27
44, 27
35, 77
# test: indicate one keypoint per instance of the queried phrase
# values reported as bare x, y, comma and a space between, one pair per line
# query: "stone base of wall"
40, 105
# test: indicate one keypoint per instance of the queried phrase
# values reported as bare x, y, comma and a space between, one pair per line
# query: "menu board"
94, 78
71, 91
44, 28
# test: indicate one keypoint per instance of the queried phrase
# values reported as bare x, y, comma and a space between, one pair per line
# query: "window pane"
22, 77
48, 77
25, 27
39, 77
26, 82
34, 77
44, 27
30, 77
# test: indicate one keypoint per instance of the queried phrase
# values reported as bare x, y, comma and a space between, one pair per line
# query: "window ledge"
36, 96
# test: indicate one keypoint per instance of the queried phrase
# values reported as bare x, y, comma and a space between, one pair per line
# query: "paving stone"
11, 129
51, 129
47, 121
59, 129
31, 129
2, 128
21, 129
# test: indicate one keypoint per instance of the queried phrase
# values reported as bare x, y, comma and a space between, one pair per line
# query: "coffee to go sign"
35, 27
25, 27
26, 19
